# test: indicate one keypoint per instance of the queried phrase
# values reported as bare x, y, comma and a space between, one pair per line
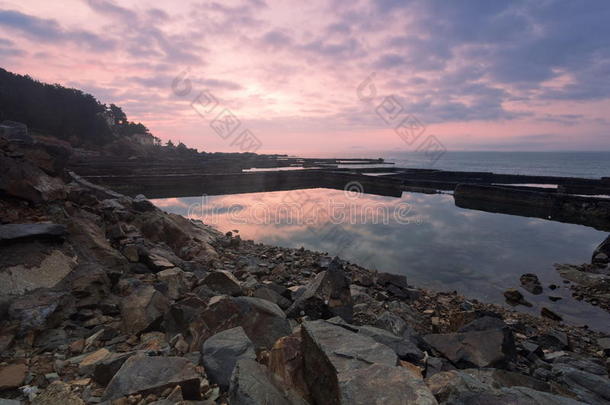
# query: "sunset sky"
479, 75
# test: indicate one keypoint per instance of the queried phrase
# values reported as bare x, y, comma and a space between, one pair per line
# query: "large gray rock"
221, 352
590, 388
251, 384
143, 309
263, 321
15, 232
178, 282
490, 348
381, 384
329, 351
327, 295
141, 374
403, 347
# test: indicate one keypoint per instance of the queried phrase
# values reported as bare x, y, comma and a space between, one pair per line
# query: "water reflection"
426, 237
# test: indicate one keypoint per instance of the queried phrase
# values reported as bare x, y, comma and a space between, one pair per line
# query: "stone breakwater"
107, 299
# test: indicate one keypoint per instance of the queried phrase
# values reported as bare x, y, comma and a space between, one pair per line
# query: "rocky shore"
107, 299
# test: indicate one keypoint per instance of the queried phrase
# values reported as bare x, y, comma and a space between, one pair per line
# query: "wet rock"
263, 321
514, 297
223, 282
331, 352
286, 362
531, 283
547, 313
382, 384
178, 282
143, 309
58, 393
326, 296
490, 348
12, 376
141, 374
221, 352
251, 384
588, 387
20, 232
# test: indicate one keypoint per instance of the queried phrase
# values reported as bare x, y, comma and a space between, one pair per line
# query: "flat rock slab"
488, 348
329, 351
17, 232
380, 384
221, 352
141, 374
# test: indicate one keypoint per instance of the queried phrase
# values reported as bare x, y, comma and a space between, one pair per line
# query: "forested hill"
61, 112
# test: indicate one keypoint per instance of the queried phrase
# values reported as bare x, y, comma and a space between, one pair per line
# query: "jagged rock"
590, 365
286, 362
263, 321
483, 323
12, 376
461, 387
89, 362
268, 294
157, 262
396, 325
178, 282
143, 309
24, 180
490, 348
326, 296
33, 310
403, 347
382, 384
332, 352
182, 318
395, 284
531, 283
553, 340
588, 387
58, 393
141, 374
251, 384
106, 369
547, 313
19, 232
221, 352
223, 282
436, 365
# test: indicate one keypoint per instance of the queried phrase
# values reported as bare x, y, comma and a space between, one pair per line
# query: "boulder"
178, 282
20, 232
403, 347
382, 384
268, 294
514, 297
286, 362
12, 376
252, 384
143, 375
221, 352
327, 295
263, 321
25, 181
106, 368
331, 352
490, 348
222, 282
143, 309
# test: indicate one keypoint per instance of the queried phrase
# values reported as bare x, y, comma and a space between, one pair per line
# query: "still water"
425, 237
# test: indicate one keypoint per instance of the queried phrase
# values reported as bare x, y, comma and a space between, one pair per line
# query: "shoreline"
110, 284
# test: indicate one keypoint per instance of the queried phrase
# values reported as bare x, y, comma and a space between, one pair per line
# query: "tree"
170, 144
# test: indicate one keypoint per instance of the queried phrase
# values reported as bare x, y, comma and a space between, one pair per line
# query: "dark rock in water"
531, 283
251, 384
382, 384
490, 348
553, 340
19, 232
141, 374
263, 321
588, 387
221, 352
514, 297
223, 282
547, 313
143, 309
331, 352
326, 296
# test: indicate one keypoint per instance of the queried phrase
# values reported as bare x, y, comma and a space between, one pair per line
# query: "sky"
329, 76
